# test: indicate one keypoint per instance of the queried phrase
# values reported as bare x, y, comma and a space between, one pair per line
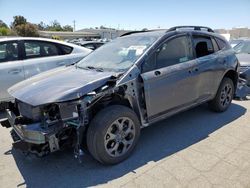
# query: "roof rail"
197, 28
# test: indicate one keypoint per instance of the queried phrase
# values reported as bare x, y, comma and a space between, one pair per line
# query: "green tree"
67, 28
2, 24
4, 31
27, 30
42, 26
18, 20
55, 26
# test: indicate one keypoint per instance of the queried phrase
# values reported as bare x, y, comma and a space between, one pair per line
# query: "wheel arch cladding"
233, 75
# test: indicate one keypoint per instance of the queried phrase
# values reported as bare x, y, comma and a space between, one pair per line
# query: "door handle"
157, 73
14, 71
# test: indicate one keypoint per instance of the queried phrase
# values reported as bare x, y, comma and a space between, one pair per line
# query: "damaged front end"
47, 128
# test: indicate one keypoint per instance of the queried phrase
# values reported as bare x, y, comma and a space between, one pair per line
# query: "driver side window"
174, 51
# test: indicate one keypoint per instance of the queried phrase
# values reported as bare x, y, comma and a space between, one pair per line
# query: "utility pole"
74, 22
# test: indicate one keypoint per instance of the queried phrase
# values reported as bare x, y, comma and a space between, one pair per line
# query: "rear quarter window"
222, 44
65, 49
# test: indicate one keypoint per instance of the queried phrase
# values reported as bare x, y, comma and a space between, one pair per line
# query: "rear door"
42, 56
209, 61
11, 67
169, 77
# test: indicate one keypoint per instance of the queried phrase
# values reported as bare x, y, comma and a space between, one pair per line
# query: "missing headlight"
51, 112
68, 111
28, 111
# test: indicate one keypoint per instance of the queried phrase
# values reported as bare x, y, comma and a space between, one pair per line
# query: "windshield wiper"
91, 68
95, 68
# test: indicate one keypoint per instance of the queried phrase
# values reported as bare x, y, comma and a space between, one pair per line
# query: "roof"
32, 38
42, 39
178, 30
90, 42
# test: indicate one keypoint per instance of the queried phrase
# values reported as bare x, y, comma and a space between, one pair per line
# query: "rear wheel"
113, 134
224, 96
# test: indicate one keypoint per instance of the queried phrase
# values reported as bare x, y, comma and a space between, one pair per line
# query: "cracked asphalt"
197, 148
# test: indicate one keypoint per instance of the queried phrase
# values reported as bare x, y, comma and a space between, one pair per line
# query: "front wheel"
113, 134
224, 96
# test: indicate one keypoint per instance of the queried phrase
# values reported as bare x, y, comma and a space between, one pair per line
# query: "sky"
131, 14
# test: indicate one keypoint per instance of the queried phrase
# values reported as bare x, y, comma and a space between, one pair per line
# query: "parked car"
235, 42
102, 102
21, 58
93, 45
243, 54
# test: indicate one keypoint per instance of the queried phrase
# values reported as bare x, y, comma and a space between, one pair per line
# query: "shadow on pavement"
157, 142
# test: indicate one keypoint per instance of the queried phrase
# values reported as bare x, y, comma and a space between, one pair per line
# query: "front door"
172, 84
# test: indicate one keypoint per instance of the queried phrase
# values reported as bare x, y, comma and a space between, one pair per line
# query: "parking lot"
197, 148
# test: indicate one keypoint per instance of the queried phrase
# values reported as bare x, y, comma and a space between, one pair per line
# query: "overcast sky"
131, 14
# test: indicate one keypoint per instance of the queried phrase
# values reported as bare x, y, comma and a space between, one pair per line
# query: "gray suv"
100, 104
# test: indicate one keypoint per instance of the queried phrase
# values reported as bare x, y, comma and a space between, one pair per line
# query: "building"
105, 33
69, 35
235, 33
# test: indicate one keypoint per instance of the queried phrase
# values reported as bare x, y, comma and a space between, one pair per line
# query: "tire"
113, 134
223, 97
3, 106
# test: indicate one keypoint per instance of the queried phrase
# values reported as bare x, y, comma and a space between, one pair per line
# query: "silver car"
243, 54
21, 58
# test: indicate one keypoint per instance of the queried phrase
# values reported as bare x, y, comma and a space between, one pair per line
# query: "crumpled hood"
58, 85
244, 59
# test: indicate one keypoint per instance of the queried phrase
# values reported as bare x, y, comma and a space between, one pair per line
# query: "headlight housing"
28, 111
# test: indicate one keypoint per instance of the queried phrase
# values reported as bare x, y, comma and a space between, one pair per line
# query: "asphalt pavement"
197, 148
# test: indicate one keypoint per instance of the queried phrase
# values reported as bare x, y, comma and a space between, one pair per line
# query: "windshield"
120, 54
243, 47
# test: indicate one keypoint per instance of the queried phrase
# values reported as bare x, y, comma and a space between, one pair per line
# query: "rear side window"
173, 52
8, 51
222, 44
203, 45
34, 49
65, 49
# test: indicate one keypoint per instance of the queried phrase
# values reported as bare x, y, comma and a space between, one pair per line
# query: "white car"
23, 57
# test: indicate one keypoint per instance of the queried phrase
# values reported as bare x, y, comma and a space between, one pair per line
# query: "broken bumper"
31, 133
